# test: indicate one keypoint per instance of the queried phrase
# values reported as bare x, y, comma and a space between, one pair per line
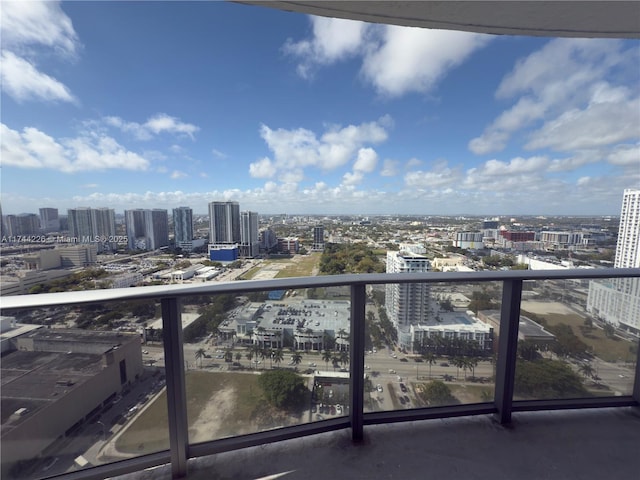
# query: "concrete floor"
579, 444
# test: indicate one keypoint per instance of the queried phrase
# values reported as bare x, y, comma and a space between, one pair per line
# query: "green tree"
284, 389
296, 358
200, 353
547, 378
326, 357
437, 393
431, 359
277, 356
238, 357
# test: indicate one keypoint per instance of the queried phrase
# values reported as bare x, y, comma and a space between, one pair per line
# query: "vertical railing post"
356, 350
636, 381
507, 348
176, 393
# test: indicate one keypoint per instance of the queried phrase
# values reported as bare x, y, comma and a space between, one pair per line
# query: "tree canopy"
283, 389
349, 258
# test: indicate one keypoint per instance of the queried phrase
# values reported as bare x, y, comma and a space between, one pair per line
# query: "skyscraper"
156, 228
249, 244
93, 225
134, 226
224, 222
49, 220
409, 303
183, 228
318, 238
617, 301
628, 246
147, 229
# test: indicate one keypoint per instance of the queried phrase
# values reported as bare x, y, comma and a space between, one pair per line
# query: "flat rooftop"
589, 444
33, 380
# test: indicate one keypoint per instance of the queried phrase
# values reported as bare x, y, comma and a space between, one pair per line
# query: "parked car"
403, 387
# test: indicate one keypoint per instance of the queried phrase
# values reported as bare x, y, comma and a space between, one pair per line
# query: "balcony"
495, 425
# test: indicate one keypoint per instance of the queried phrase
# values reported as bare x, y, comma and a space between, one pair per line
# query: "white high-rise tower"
617, 301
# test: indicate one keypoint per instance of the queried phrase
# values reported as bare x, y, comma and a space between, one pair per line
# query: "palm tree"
200, 353
326, 357
296, 358
458, 362
431, 359
264, 353
249, 356
472, 363
269, 353
341, 333
586, 369
277, 356
343, 358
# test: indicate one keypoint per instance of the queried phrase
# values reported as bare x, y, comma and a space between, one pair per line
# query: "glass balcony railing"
222, 366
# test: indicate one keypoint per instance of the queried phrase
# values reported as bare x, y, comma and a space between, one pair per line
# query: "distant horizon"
63, 212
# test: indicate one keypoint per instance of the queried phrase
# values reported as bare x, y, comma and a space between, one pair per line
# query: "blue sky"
164, 104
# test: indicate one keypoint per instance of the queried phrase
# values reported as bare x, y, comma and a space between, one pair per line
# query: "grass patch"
302, 268
605, 348
149, 432
472, 393
250, 273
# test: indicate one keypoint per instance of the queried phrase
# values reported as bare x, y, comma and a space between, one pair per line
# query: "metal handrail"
162, 291
180, 448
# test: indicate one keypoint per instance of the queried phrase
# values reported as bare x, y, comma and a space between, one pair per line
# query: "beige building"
54, 380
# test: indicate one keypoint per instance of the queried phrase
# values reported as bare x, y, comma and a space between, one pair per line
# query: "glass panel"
577, 338
265, 360
80, 387
429, 345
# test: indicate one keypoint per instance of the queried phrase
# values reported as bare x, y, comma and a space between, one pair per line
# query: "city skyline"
319, 113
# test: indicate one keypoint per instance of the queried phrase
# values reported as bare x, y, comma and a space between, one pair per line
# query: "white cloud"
333, 39
28, 29
37, 23
599, 124
395, 60
366, 161
219, 154
263, 168
22, 81
294, 150
625, 155
413, 162
440, 176
178, 174
515, 166
416, 59
565, 75
389, 168
159, 123
35, 149
90, 185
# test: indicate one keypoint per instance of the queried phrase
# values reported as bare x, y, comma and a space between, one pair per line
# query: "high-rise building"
80, 225
224, 222
617, 301
23, 224
147, 229
249, 244
157, 228
628, 246
49, 220
93, 225
318, 238
409, 303
183, 228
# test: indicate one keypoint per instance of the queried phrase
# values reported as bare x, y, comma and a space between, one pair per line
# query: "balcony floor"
570, 444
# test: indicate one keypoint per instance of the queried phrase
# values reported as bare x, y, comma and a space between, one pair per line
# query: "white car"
379, 387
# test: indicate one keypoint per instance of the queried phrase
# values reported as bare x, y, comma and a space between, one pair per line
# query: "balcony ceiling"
589, 19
